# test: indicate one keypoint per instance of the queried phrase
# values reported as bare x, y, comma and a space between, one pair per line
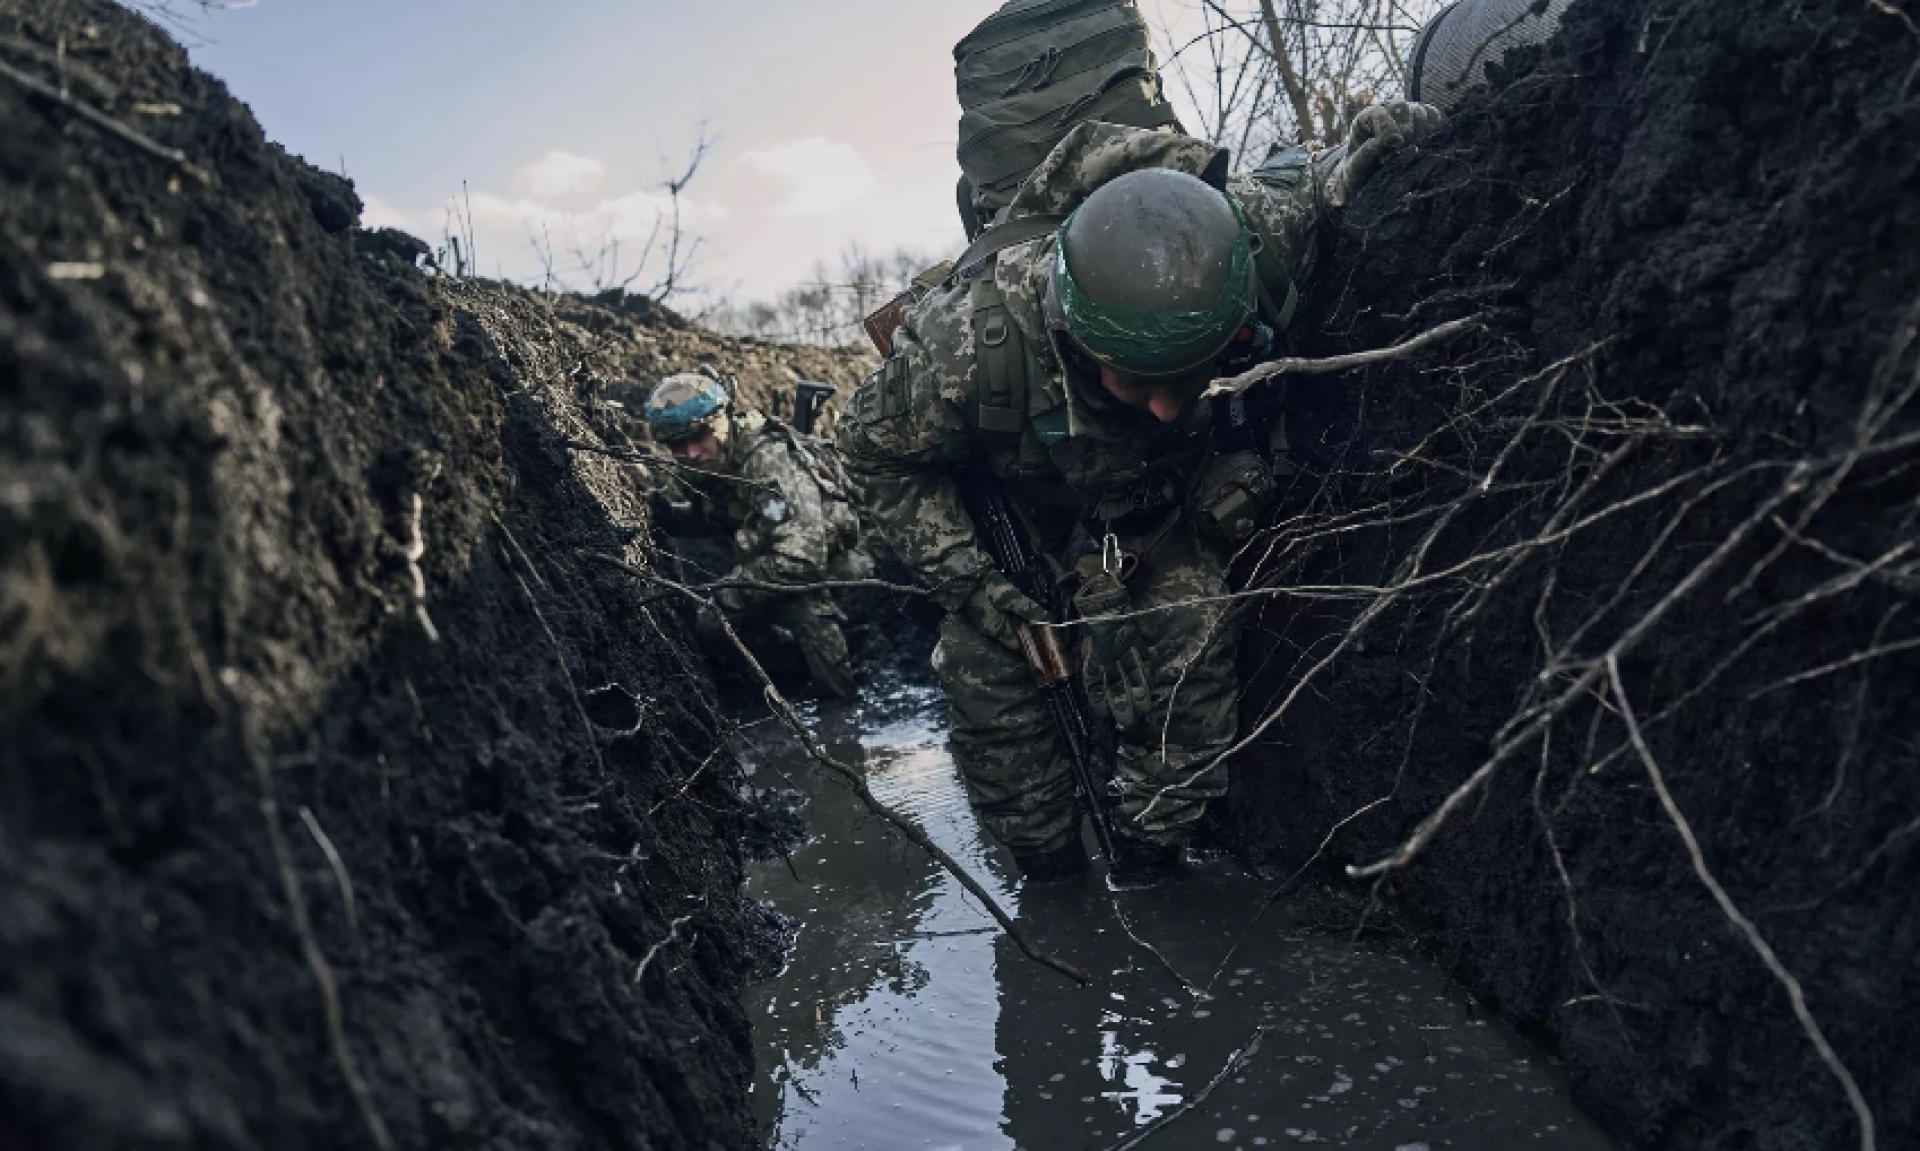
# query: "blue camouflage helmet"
681, 407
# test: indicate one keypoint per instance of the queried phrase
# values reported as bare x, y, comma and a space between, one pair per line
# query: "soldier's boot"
823, 645
1213, 836
1138, 864
830, 677
1056, 866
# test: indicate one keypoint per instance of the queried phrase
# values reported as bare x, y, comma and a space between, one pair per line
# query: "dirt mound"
637, 342
346, 803
1684, 447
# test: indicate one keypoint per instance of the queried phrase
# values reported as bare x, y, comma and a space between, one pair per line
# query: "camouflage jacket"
790, 515
929, 412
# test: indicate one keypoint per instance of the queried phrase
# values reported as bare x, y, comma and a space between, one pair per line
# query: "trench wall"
343, 803
1690, 231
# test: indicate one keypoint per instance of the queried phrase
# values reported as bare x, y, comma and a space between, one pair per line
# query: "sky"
832, 121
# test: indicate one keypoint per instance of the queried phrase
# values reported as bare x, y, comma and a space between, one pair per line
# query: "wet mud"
903, 1019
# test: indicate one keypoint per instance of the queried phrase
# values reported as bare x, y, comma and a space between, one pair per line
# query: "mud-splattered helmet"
685, 406
1153, 275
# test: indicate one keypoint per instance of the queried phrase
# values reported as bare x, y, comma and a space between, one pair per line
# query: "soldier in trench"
1066, 355
788, 507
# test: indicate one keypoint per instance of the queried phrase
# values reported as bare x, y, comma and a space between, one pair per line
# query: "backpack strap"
1000, 237
1001, 362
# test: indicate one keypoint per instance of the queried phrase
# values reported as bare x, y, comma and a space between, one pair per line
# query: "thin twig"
1854, 660
853, 779
1545, 716
1295, 366
819, 585
673, 933
1287, 886
566, 672
1193, 989
316, 959
339, 865
1247, 1051
1797, 997
107, 123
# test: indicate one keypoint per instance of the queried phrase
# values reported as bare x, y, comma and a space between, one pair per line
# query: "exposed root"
560, 657
1863, 1115
316, 960
107, 123
672, 935
339, 865
1541, 718
1292, 366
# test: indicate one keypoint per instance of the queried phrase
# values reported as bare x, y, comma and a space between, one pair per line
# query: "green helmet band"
1157, 344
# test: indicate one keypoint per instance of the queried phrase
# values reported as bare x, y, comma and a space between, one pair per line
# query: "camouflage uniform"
1101, 485
792, 522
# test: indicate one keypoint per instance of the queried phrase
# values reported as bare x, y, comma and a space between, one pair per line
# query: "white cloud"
377, 213
561, 175
517, 234
823, 177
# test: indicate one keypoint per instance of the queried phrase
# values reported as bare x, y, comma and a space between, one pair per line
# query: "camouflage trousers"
1165, 679
814, 623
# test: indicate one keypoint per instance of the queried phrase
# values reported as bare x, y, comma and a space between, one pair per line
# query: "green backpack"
1033, 70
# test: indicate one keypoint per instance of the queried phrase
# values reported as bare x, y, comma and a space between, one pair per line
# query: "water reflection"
903, 1021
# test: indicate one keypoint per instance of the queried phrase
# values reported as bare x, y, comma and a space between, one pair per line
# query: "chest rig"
1031, 434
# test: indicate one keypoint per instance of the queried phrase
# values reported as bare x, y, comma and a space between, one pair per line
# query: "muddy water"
904, 1021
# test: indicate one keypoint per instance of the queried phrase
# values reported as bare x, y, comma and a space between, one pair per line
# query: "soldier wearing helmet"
1066, 355
785, 501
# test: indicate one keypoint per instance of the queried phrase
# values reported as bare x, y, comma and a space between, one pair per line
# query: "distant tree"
828, 307
1265, 72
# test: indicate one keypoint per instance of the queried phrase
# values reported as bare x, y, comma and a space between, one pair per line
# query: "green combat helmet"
1153, 275
685, 406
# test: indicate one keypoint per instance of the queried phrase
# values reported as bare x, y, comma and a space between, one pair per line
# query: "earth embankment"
346, 804
1632, 564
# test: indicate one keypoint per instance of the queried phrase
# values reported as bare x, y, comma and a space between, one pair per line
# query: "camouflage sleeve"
772, 547
905, 436
1284, 205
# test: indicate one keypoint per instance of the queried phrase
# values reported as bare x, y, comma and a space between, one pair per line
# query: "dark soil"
1716, 208
245, 772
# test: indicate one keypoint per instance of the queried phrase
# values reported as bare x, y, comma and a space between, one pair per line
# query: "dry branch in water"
852, 778
1246, 1051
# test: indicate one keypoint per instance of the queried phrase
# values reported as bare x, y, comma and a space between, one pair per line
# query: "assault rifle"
1006, 543
808, 399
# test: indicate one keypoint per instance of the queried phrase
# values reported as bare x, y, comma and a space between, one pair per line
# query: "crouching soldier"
1064, 358
789, 509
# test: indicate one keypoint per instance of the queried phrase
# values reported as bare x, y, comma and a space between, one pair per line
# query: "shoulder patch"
884, 395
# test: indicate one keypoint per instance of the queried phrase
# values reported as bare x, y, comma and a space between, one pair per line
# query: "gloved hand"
1231, 495
994, 607
1377, 132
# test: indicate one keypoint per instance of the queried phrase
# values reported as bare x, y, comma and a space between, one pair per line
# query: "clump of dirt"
1684, 444
347, 802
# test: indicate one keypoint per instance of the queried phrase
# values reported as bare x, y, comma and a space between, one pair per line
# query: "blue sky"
834, 119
